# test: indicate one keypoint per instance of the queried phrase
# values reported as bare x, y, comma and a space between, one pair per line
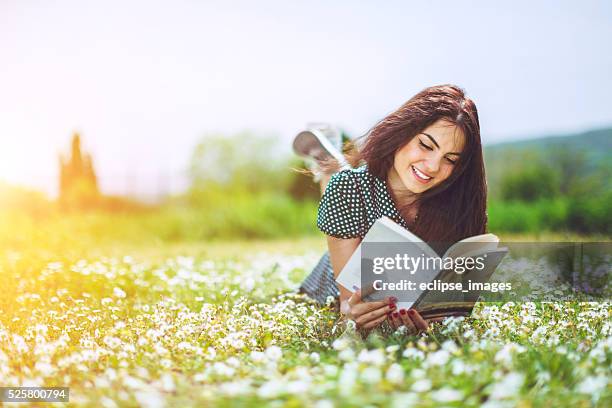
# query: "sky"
144, 81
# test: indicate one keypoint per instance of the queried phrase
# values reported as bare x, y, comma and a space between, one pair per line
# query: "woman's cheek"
446, 172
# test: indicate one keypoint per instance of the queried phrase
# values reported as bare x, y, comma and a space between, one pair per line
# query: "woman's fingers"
362, 308
374, 314
394, 319
406, 321
374, 323
418, 321
355, 297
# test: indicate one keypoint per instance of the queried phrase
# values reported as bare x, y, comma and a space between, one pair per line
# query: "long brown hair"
456, 208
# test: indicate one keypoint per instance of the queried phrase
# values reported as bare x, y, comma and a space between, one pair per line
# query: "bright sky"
143, 81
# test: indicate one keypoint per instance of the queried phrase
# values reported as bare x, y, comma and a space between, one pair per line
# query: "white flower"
167, 383
314, 358
413, 353
347, 379
421, 385
112, 341
44, 368
418, 373
438, 358
223, 369
324, 404
375, 357
340, 344
270, 389
20, 344
258, 356
118, 292
508, 387
298, 387
371, 375
149, 398
458, 367
200, 377
592, 385
450, 346
395, 374
446, 395
505, 354
235, 387
330, 370
108, 403
404, 399
347, 355
393, 348
274, 353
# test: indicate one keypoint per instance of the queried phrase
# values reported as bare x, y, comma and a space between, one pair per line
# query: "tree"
78, 185
530, 184
243, 161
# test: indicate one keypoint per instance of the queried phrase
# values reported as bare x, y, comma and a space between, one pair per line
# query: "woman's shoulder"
341, 210
351, 178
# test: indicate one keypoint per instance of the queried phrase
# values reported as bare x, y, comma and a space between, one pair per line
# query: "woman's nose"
432, 165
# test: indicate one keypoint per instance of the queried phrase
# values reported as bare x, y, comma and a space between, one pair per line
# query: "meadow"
124, 317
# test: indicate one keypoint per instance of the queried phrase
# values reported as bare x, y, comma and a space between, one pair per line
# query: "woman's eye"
451, 161
424, 145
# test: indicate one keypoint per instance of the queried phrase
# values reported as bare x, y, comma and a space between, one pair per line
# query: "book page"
383, 230
350, 275
409, 236
432, 300
472, 246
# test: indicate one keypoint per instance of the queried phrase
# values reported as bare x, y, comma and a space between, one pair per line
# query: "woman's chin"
414, 187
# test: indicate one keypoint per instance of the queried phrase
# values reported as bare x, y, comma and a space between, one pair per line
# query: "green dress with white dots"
353, 200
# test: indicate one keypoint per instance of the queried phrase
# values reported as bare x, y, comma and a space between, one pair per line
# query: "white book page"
383, 230
472, 246
350, 275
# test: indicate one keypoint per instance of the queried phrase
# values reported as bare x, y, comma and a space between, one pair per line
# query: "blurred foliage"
558, 189
32, 203
243, 161
591, 213
247, 162
530, 184
532, 217
243, 186
78, 184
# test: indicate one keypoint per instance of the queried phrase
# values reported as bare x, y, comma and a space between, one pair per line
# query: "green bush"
518, 216
591, 213
530, 184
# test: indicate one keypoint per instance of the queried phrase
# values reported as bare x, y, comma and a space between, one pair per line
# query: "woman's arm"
340, 250
366, 315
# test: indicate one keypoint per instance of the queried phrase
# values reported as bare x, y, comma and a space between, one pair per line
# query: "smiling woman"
422, 166
429, 158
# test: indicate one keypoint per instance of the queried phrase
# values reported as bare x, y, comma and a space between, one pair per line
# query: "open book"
430, 303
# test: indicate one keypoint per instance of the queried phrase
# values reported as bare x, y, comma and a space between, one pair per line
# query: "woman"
424, 169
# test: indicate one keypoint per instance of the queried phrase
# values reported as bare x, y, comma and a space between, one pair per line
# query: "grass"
188, 323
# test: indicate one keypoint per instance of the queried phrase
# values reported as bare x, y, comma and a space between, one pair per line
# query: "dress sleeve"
341, 212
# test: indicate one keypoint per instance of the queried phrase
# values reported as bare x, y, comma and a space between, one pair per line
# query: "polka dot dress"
353, 200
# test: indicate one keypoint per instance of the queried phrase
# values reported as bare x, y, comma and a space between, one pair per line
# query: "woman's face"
430, 157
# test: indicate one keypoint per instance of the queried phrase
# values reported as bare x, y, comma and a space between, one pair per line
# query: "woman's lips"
420, 176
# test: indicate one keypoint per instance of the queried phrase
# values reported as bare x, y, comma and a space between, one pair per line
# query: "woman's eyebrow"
432, 139
437, 145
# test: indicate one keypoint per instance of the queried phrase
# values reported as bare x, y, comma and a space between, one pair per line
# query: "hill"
586, 153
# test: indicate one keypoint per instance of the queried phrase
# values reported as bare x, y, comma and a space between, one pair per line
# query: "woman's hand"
412, 319
367, 315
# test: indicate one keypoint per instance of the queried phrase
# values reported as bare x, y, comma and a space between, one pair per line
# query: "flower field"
220, 328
